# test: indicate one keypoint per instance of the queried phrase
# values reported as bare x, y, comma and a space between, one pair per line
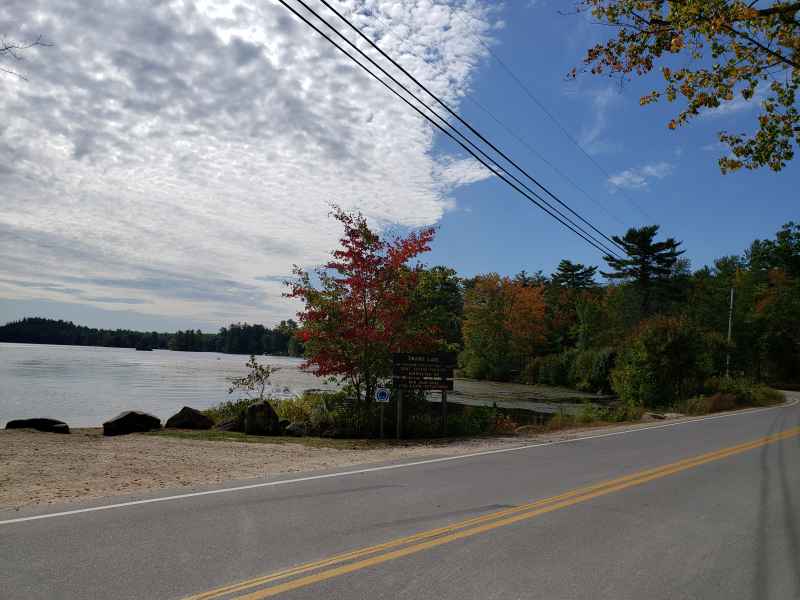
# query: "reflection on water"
86, 385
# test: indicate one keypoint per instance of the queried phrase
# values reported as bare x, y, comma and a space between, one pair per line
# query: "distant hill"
238, 338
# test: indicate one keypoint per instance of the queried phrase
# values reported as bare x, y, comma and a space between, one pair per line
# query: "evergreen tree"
649, 265
574, 276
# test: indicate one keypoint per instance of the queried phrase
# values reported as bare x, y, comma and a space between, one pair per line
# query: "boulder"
296, 429
231, 424
39, 424
261, 419
131, 421
189, 418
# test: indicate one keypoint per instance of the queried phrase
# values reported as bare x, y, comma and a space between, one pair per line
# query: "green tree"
439, 303
649, 266
574, 276
487, 341
724, 49
525, 279
665, 361
781, 253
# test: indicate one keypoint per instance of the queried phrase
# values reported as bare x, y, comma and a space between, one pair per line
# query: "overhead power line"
503, 174
450, 110
526, 89
544, 159
531, 195
524, 143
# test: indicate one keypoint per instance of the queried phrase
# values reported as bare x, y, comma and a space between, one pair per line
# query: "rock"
131, 421
189, 418
296, 429
231, 424
39, 424
261, 419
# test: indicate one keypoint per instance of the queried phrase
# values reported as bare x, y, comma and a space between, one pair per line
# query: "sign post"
382, 397
400, 413
423, 372
444, 413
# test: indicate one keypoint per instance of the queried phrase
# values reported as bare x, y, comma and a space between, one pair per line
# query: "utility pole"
728, 349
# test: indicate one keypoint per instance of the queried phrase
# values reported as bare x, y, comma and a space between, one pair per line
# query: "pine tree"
574, 276
649, 264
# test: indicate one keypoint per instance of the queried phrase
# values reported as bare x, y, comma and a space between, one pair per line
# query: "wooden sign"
424, 371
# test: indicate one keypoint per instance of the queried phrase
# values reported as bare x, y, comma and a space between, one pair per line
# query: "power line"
532, 196
466, 139
464, 146
447, 108
553, 118
542, 158
530, 148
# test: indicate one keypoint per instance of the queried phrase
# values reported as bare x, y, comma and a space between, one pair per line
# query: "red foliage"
361, 312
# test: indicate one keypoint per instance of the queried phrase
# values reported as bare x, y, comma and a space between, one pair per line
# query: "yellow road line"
422, 541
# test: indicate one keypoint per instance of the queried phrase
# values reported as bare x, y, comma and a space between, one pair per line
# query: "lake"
86, 385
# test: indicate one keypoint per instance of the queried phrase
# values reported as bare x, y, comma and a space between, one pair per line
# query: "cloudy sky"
164, 164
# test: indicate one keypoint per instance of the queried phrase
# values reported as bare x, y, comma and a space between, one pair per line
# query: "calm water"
84, 386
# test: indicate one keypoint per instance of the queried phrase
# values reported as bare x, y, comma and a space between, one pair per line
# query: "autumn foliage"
504, 326
711, 52
362, 310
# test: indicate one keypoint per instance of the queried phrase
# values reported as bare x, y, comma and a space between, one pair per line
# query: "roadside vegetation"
655, 335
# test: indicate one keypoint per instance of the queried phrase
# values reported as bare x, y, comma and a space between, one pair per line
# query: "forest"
238, 338
654, 331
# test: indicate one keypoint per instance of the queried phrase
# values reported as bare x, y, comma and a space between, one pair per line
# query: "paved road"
690, 510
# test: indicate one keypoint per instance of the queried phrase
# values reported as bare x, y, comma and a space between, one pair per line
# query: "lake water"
85, 385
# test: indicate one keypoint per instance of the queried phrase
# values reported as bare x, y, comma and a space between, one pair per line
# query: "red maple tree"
361, 311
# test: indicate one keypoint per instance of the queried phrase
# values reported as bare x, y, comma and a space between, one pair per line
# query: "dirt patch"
44, 468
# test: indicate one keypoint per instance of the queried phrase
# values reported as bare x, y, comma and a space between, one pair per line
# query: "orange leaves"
524, 316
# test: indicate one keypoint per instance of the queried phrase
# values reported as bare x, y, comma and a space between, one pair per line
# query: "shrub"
664, 362
229, 409
555, 369
746, 391
591, 370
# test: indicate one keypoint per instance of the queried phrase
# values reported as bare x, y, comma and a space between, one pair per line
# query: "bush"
555, 369
666, 361
746, 391
229, 409
591, 370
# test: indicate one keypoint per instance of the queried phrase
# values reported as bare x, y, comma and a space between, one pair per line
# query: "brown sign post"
423, 372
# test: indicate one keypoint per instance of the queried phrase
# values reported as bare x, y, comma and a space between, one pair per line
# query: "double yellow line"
348, 562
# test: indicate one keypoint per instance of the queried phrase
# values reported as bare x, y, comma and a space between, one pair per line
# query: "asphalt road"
706, 509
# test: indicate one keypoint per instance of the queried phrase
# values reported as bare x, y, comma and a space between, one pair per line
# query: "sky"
164, 164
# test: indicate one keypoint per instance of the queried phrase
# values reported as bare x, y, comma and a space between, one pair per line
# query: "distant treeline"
239, 338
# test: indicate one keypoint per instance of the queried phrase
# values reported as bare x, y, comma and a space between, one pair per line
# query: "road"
703, 509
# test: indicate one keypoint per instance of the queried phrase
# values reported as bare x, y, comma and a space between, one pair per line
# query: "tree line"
654, 332
238, 338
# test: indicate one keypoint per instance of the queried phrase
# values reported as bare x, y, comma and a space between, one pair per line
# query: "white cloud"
454, 172
180, 156
592, 137
639, 178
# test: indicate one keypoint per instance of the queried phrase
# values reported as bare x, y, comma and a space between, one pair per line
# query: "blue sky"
496, 229
170, 175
